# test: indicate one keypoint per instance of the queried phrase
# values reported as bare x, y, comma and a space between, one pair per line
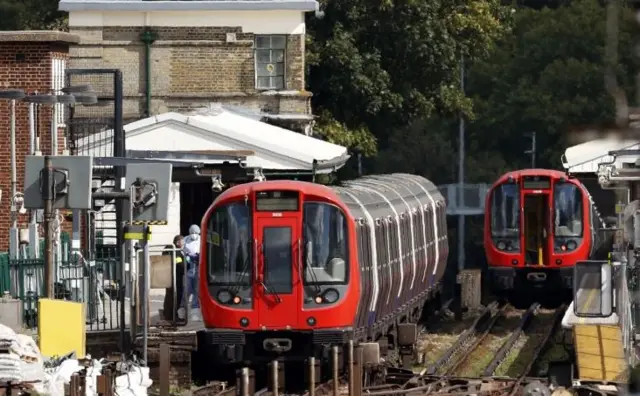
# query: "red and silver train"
538, 224
289, 269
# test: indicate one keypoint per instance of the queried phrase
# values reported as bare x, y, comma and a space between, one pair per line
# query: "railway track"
502, 343
487, 358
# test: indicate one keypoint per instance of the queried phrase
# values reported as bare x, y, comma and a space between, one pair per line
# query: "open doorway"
195, 199
536, 228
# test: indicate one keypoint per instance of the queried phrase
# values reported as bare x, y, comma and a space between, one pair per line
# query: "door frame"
278, 309
548, 243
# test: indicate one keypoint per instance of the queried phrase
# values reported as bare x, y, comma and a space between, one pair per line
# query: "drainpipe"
148, 37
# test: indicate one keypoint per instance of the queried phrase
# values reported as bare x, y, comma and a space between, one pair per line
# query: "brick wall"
26, 66
190, 67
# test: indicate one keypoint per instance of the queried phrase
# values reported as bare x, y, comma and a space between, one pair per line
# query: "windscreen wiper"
268, 289
314, 278
245, 267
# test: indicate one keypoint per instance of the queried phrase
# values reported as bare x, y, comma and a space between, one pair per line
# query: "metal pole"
351, 368
312, 376
47, 196
273, 378
33, 226
335, 371
533, 150
14, 172
14, 242
461, 155
244, 390
145, 298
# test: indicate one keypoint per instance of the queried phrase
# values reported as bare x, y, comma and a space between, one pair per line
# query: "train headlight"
572, 245
502, 245
224, 296
331, 296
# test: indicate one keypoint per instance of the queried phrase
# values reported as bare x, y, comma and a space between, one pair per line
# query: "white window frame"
272, 86
58, 67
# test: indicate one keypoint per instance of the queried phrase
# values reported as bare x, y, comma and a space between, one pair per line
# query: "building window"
57, 83
270, 62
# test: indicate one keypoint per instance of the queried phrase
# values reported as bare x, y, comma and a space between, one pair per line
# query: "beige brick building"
181, 55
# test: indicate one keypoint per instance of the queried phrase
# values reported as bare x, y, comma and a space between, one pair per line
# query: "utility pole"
532, 151
47, 197
461, 154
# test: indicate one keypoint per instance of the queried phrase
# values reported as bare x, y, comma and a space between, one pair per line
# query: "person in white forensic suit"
192, 253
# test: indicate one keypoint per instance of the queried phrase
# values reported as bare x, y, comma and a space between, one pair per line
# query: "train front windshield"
325, 247
567, 205
505, 211
229, 245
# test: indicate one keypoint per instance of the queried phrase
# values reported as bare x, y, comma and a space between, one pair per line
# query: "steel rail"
504, 350
536, 354
463, 339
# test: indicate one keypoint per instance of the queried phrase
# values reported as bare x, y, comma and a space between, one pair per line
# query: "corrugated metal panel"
585, 157
57, 83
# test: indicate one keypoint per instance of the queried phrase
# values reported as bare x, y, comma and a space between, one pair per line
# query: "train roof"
375, 192
531, 172
306, 188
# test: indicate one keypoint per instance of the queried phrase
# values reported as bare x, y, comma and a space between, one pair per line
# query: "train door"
536, 226
277, 284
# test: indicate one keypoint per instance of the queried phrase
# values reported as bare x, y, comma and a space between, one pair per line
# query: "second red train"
538, 224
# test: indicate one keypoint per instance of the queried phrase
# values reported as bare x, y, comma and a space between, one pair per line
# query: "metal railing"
76, 278
626, 306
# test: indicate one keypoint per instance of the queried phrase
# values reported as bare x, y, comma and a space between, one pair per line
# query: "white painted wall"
259, 22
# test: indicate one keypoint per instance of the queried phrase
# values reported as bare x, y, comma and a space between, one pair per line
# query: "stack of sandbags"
135, 382
10, 352
31, 363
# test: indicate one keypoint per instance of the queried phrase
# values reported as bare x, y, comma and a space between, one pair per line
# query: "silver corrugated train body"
402, 243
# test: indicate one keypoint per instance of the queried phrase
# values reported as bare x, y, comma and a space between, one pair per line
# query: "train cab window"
278, 260
505, 211
325, 247
567, 210
229, 245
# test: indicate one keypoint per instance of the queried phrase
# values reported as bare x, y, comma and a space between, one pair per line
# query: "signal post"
64, 182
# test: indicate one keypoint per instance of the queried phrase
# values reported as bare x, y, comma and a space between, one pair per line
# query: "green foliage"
358, 138
31, 15
383, 64
544, 77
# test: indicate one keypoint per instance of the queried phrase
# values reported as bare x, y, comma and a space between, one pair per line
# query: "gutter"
148, 37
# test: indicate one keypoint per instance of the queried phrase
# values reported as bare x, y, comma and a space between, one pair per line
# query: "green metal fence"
91, 279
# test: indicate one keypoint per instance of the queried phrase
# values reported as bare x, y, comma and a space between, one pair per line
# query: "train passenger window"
505, 211
567, 209
229, 245
325, 246
278, 260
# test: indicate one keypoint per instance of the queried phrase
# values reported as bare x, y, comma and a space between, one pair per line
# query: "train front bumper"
531, 277
231, 345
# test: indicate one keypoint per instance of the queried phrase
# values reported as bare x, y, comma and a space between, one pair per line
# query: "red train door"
277, 288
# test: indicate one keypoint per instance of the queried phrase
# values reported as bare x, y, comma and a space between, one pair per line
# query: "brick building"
181, 55
33, 61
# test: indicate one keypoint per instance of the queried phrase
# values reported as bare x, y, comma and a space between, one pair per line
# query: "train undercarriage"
222, 352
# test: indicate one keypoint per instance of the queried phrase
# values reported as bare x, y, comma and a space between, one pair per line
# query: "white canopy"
222, 130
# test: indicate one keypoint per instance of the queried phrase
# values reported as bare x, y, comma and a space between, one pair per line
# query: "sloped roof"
274, 147
585, 157
187, 5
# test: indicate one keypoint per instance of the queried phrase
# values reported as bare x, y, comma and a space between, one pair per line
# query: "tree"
377, 65
546, 76
31, 15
